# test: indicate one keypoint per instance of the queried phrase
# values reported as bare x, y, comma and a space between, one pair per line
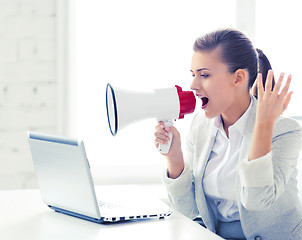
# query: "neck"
235, 112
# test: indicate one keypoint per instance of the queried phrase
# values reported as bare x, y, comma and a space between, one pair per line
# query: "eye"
205, 75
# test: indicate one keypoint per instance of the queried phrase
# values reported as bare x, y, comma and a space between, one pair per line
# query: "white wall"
139, 46
31, 94
28, 84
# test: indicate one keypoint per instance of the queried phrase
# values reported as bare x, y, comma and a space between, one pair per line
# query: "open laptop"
66, 184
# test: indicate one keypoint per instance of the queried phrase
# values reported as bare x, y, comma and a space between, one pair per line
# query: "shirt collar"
239, 124
217, 124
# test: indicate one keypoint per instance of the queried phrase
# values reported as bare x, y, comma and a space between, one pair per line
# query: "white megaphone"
125, 107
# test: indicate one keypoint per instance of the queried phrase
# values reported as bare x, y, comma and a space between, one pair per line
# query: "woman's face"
212, 82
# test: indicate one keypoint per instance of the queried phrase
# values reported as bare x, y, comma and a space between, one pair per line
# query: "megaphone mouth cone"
111, 109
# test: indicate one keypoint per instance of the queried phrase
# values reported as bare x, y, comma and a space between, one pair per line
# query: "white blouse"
220, 173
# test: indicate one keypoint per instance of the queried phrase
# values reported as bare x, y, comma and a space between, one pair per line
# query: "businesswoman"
238, 172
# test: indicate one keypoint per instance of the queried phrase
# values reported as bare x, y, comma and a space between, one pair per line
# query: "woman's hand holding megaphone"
175, 155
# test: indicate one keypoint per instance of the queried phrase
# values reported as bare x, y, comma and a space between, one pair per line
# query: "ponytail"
263, 67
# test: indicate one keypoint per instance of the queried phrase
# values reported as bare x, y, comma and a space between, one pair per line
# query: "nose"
195, 85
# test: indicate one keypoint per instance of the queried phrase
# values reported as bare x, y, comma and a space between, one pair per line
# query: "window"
278, 34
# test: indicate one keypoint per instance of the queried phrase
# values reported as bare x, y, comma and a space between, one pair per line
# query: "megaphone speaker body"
125, 107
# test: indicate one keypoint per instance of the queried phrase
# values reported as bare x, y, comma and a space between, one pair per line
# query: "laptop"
66, 183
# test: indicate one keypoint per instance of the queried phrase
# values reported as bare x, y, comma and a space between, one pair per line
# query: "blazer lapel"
248, 132
206, 213
245, 145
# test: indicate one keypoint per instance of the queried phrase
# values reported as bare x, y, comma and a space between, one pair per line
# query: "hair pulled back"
237, 52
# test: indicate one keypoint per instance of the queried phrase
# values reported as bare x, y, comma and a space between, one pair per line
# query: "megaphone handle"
164, 148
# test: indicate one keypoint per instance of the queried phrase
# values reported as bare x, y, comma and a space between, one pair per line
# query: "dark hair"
237, 51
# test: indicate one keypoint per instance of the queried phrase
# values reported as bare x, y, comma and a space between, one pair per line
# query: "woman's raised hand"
272, 103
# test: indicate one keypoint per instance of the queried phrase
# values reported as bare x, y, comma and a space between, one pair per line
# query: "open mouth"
205, 101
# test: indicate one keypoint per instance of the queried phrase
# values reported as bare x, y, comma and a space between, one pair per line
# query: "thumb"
172, 130
254, 89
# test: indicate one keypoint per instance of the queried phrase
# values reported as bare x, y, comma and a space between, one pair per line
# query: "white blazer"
266, 188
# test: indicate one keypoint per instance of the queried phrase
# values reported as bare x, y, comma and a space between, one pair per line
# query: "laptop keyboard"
109, 209
107, 206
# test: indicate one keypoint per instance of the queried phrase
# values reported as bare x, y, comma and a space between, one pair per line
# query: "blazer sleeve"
181, 191
265, 179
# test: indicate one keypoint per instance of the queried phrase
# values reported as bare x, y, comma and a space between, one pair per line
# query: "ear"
240, 77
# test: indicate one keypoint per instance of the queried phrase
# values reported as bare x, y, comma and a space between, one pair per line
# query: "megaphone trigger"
164, 148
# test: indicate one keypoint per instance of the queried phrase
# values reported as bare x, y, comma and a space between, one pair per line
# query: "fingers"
269, 81
161, 134
278, 84
260, 85
287, 100
277, 87
280, 95
286, 87
254, 88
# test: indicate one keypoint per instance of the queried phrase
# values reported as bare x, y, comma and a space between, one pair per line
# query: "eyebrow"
200, 69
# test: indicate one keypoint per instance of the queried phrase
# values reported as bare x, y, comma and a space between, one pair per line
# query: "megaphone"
125, 107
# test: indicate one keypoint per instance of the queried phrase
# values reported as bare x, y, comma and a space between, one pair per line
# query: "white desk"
23, 215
